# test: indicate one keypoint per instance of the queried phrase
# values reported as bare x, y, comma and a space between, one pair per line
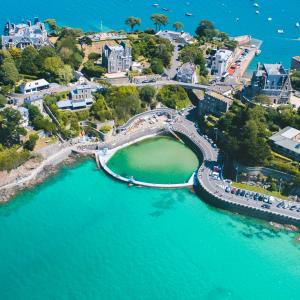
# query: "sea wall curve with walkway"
102, 156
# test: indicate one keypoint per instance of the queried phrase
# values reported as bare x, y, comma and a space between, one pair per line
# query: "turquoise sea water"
88, 15
82, 235
155, 160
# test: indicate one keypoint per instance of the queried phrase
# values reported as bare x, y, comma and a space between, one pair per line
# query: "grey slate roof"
288, 138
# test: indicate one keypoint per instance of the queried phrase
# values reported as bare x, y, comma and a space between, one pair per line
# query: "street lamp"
236, 174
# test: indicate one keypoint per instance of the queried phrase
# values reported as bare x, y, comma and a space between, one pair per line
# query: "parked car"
243, 192
266, 206
256, 196
233, 190
227, 189
238, 192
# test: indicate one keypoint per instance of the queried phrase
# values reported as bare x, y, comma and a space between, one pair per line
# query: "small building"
287, 142
221, 61
80, 77
34, 86
117, 58
187, 73
295, 65
137, 67
273, 81
214, 103
225, 90
181, 38
25, 34
79, 98
36, 100
25, 116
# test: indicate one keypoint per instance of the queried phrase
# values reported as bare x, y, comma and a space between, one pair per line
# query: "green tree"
157, 66
3, 101
65, 74
58, 70
92, 70
52, 25
99, 109
132, 22
124, 101
178, 26
67, 47
10, 127
11, 158
159, 20
9, 73
27, 62
206, 30
262, 99
43, 53
53, 64
193, 54
173, 96
31, 142
147, 93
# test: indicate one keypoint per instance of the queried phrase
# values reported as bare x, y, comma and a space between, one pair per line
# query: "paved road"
174, 64
216, 187
51, 90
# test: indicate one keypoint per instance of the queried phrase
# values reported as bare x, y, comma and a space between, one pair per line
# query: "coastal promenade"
209, 189
213, 191
183, 127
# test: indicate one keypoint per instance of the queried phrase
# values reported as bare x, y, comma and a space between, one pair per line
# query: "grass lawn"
259, 190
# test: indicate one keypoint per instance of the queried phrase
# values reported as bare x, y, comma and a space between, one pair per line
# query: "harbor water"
83, 236
90, 14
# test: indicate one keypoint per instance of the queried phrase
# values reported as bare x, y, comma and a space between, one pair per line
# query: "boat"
270, 19
280, 31
297, 24
166, 9
155, 5
256, 4
237, 19
257, 12
188, 14
257, 52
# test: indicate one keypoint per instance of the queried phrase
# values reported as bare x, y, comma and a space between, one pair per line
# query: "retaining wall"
266, 215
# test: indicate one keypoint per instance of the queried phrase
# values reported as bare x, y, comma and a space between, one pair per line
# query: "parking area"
267, 201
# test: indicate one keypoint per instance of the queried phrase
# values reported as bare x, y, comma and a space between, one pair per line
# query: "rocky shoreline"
48, 171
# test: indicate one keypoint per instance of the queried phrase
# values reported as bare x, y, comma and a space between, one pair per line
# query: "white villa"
34, 86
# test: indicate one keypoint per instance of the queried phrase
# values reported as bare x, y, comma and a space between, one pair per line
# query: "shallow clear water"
155, 160
82, 235
88, 15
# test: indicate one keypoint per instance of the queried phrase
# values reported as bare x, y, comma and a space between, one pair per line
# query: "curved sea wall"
250, 211
102, 157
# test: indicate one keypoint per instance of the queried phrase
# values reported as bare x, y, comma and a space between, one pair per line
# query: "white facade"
221, 62
25, 116
187, 73
34, 86
182, 38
